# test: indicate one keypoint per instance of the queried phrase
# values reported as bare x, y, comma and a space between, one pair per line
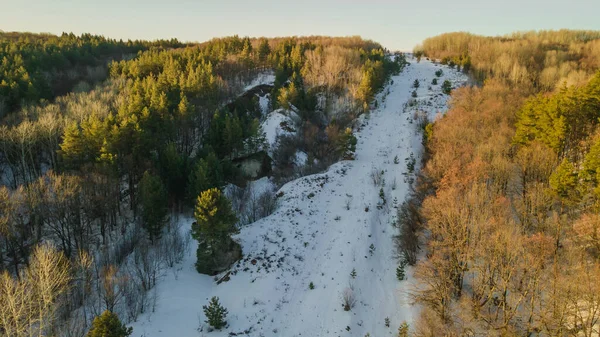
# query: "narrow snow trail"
326, 226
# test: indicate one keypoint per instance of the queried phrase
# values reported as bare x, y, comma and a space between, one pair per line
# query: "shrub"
400, 274
414, 94
410, 163
348, 299
439, 73
377, 177
416, 84
434, 81
215, 313
447, 87
108, 325
403, 330
311, 286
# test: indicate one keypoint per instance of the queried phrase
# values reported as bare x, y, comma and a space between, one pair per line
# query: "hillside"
323, 229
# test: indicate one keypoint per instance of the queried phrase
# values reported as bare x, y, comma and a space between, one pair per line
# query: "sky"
397, 25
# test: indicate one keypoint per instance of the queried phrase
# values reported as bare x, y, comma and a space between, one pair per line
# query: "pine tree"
206, 174
434, 81
214, 216
153, 198
347, 145
108, 325
447, 87
215, 313
72, 147
215, 222
403, 330
416, 84
563, 180
287, 96
365, 88
400, 273
263, 50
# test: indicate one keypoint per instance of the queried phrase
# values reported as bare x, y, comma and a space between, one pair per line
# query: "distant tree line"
533, 61
44, 66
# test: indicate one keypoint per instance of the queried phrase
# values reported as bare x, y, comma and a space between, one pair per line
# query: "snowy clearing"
325, 226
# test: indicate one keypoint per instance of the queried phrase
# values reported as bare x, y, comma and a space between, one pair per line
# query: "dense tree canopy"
513, 164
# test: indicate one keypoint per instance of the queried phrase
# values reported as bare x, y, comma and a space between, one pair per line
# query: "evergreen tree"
72, 147
434, 81
365, 88
400, 274
206, 174
263, 50
215, 222
447, 87
287, 96
153, 199
232, 135
108, 325
214, 216
215, 313
347, 145
416, 84
173, 167
563, 180
403, 330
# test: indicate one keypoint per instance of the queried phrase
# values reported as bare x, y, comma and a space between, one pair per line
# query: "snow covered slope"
326, 225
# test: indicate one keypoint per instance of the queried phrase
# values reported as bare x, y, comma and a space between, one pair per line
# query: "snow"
264, 78
313, 237
274, 123
301, 158
263, 102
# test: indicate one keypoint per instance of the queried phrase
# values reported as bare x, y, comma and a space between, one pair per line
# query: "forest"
104, 142
506, 208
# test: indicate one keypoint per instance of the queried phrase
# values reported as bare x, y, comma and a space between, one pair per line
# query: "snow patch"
264, 78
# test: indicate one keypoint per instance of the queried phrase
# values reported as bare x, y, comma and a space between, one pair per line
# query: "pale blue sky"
396, 24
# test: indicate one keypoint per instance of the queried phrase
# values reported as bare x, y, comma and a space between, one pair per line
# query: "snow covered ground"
325, 226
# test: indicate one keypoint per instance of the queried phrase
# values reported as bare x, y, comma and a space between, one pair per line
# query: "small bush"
403, 330
348, 299
377, 177
400, 273
387, 322
108, 324
416, 84
410, 163
439, 73
348, 202
414, 94
353, 273
434, 81
447, 87
215, 313
311, 286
